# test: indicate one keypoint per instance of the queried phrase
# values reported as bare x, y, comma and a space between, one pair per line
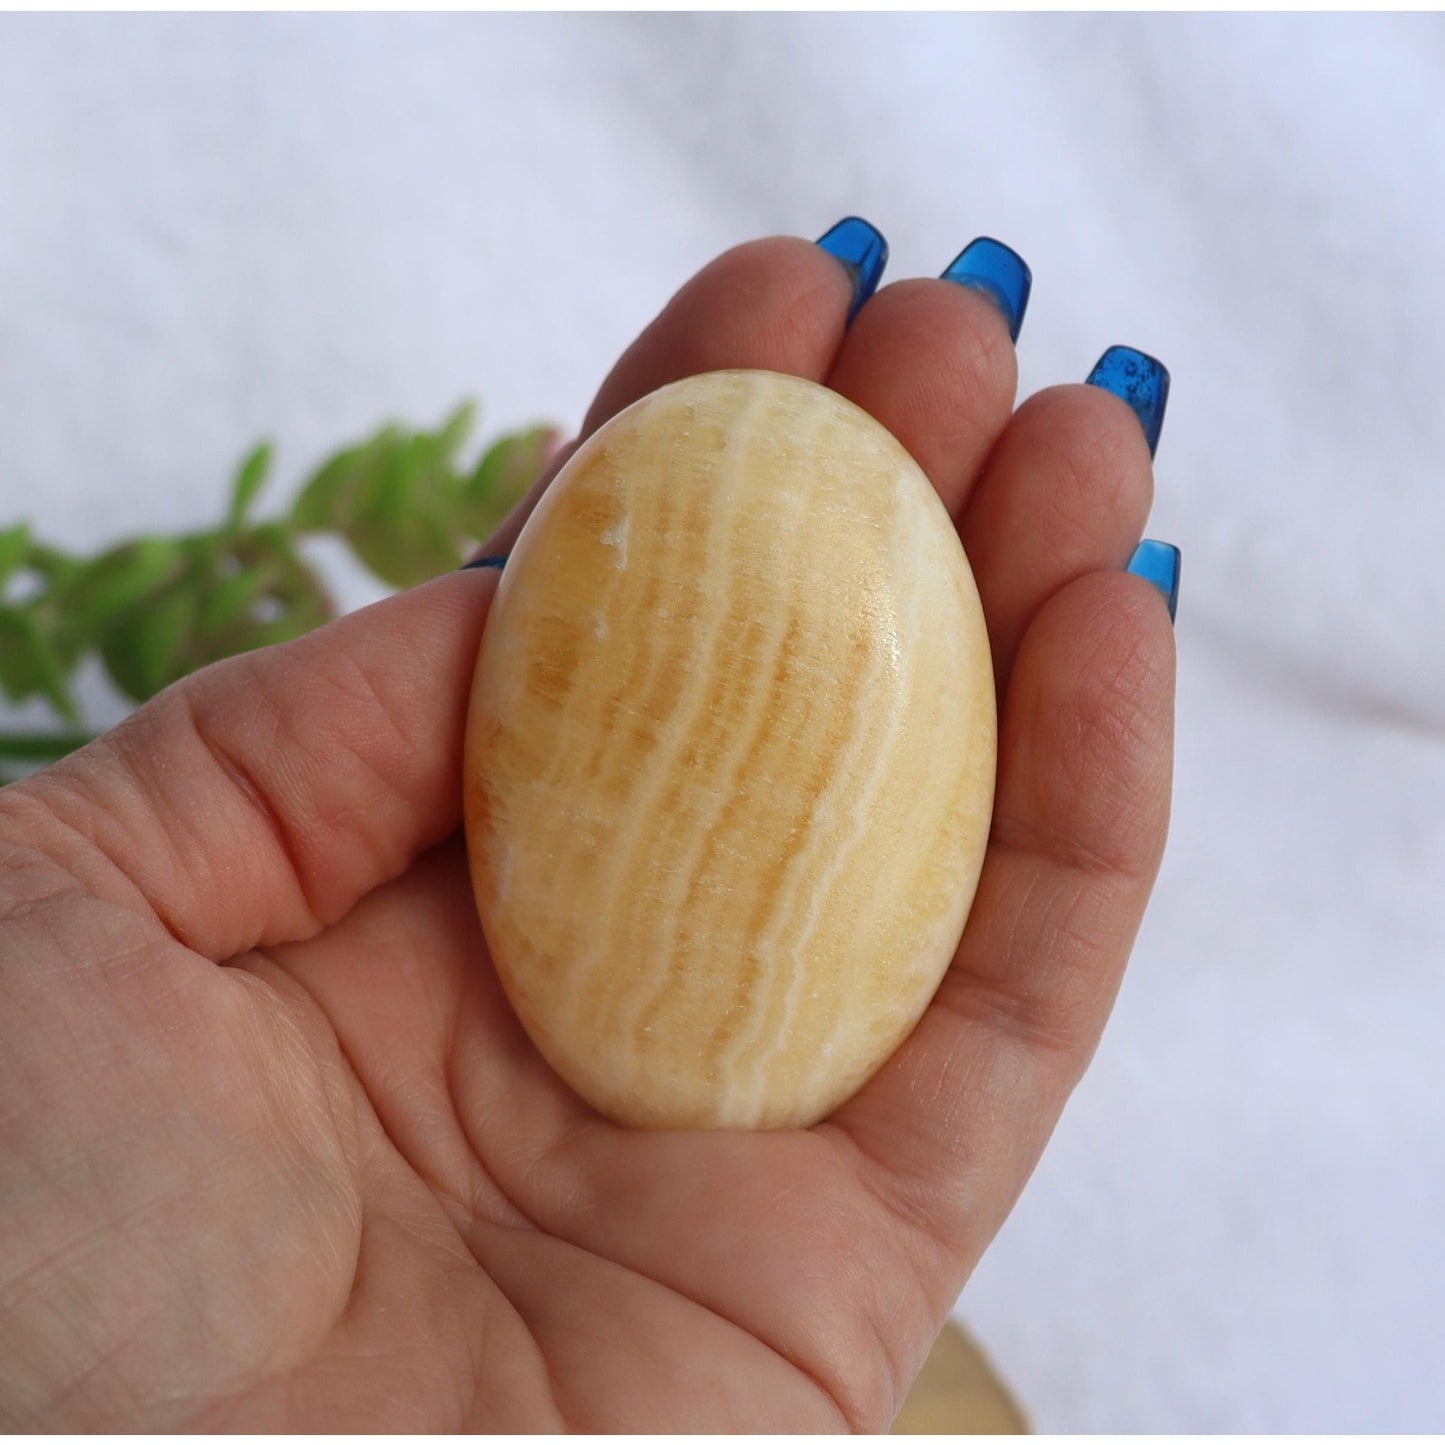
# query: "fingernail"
1000, 273
1158, 562
497, 562
1141, 381
863, 252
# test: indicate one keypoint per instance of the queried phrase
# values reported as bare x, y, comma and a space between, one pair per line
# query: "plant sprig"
156, 608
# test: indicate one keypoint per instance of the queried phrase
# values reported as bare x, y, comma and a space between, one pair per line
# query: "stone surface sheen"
730, 756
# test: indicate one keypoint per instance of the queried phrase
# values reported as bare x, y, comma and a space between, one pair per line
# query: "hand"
274, 1152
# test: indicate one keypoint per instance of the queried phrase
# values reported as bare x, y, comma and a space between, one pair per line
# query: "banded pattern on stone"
730, 756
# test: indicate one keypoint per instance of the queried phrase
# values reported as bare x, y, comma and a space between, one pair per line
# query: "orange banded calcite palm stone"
730, 756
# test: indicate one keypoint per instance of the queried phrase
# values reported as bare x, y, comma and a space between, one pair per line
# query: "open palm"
274, 1152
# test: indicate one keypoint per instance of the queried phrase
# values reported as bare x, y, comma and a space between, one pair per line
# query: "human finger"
948, 1132
1065, 491
933, 360
777, 304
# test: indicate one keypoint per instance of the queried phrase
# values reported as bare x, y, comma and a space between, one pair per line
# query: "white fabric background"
219, 228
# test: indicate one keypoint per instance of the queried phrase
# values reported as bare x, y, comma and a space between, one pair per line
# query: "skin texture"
274, 1153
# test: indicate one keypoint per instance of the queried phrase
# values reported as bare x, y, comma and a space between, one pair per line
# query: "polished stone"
730, 756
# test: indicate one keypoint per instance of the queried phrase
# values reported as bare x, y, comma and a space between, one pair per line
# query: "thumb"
258, 799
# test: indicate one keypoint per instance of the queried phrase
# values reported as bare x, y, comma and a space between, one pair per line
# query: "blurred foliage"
156, 608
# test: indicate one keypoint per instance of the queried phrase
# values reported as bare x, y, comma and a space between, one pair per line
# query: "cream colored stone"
730, 756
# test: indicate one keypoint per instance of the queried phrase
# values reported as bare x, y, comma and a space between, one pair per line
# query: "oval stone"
730, 756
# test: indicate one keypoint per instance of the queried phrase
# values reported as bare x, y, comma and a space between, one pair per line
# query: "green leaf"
55, 566
41, 747
403, 506
145, 650
318, 508
329, 500
402, 557
29, 664
273, 596
232, 599
393, 499
14, 549
390, 497
456, 429
502, 477
157, 607
114, 583
404, 529
250, 478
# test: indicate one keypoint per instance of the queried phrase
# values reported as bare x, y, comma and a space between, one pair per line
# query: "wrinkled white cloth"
214, 229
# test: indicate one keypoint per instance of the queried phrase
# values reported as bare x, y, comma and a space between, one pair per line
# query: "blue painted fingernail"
1141, 381
497, 562
1000, 273
863, 252
1158, 562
